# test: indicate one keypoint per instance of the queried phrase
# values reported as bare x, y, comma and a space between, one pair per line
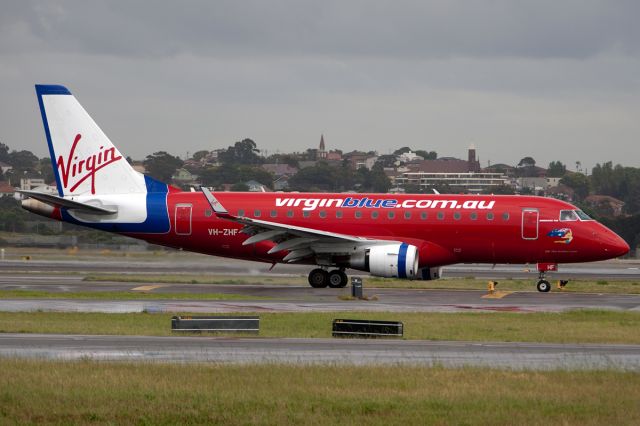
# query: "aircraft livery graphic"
385, 203
74, 168
564, 235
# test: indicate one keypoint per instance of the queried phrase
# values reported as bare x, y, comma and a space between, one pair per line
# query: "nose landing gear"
320, 278
543, 285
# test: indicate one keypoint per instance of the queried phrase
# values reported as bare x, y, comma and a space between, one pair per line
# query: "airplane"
406, 236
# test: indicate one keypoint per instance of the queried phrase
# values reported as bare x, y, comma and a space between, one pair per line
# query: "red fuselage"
446, 229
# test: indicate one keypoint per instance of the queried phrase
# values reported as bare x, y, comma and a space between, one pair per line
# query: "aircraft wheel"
543, 286
318, 278
345, 279
337, 279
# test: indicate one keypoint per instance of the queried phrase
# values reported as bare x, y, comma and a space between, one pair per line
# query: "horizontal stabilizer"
54, 200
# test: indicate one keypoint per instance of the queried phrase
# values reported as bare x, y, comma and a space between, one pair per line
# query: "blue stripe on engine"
402, 260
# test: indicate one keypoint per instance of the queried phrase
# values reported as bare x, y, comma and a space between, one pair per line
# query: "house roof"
441, 165
6, 188
595, 199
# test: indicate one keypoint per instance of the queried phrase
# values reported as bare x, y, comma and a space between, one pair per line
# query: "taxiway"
311, 351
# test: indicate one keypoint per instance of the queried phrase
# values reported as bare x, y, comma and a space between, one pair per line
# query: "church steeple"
322, 152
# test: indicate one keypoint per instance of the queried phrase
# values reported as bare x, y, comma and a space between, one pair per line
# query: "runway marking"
147, 287
497, 295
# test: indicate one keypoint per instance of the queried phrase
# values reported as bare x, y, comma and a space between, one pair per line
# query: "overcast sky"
551, 79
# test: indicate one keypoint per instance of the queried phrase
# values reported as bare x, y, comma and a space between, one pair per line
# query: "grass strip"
88, 392
575, 286
581, 326
121, 295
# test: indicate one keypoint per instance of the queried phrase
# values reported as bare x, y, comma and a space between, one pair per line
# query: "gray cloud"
418, 29
555, 79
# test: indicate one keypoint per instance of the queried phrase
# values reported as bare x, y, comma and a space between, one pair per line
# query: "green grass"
121, 295
88, 392
468, 283
580, 326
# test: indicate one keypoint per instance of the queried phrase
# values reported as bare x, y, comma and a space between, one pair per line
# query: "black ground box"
223, 324
366, 328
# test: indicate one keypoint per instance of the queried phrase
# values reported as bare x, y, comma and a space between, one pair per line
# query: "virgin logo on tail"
83, 169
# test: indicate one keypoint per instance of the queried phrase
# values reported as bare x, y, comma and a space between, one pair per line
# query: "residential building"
4, 167
460, 181
6, 189
29, 184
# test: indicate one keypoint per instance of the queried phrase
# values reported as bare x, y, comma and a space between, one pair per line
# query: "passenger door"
530, 224
183, 219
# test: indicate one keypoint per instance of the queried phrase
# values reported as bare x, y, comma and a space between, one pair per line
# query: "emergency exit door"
530, 224
183, 219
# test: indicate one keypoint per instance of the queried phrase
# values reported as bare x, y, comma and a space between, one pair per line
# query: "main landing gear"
320, 278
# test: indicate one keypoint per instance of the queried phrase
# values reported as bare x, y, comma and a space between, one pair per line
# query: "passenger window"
339, 214
208, 212
407, 215
256, 213
505, 216
374, 215
457, 215
306, 214
423, 215
568, 216
489, 216
391, 215
240, 212
273, 213
358, 214
289, 213
323, 214
473, 216
440, 215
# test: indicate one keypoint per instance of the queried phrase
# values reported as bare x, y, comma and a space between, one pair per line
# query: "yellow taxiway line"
147, 287
497, 295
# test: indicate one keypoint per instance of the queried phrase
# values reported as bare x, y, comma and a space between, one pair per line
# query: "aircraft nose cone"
616, 246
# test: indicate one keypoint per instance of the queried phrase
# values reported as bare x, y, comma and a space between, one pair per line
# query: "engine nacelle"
389, 261
37, 207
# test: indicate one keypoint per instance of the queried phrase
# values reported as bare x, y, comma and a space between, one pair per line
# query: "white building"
463, 182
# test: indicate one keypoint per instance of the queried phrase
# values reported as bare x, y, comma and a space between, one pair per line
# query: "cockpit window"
568, 215
582, 215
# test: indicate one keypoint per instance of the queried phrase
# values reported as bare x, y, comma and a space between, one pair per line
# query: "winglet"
213, 202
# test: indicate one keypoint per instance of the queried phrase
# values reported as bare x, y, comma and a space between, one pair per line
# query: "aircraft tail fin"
85, 161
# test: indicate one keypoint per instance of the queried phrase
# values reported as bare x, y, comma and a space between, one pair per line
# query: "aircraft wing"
300, 241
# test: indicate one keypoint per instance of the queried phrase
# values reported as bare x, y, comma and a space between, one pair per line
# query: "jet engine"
389, 261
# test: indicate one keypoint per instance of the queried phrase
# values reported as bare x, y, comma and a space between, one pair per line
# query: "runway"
198, 264
288, 298
387, 301
66, 276
312, 351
